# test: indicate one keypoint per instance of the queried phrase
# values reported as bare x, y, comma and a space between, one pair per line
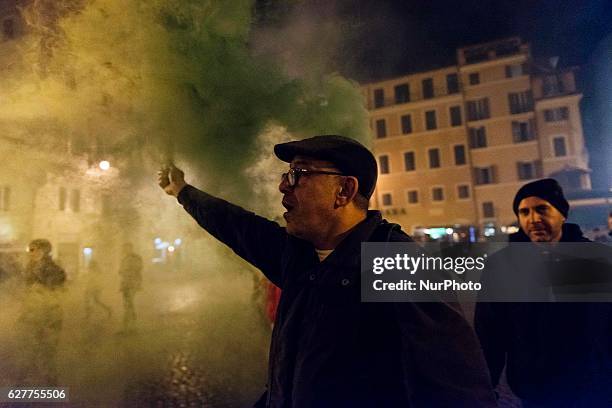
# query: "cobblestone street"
193, 346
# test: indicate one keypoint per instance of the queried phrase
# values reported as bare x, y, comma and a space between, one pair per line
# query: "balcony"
386, 102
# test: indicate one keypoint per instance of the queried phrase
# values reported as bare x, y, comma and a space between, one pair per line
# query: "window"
383, 164
556, 115
379, 98
520, 102
455, 115
430, 120
459, 155
478, 137
559, 146
478, 109
387, 199
474, 78
8, 28
402, 93
428, 90
5, 198
528, 170
406, 124
523, 131
62, 199
484, 175
409, 164
434, 158
75, 200
413, 196
437, 194
381, 128
452, 83
463, 191
516, 70
488, 211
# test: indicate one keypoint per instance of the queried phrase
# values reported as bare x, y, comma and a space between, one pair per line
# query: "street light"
104, 165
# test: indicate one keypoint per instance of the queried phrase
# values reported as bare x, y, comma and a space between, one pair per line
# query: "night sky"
396, 37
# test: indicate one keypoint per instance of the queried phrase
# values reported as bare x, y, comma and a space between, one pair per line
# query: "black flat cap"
547, 189
348, 155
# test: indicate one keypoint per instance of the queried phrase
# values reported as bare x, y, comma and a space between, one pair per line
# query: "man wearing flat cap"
555, 354
328, 348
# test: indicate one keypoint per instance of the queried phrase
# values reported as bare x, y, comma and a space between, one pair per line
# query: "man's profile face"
310, 203
541, 221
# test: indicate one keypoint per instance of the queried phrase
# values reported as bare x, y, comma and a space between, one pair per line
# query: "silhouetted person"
130, 271
555, 354
42, 315
328, 348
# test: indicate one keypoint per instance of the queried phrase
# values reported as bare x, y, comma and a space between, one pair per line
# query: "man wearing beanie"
555, 354
542, 209
328, 348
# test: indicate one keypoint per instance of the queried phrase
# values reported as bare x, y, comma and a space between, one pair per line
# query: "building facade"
455, 144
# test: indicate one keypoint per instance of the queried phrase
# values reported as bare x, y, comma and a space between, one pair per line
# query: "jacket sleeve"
257, 240
489, 324
441, 357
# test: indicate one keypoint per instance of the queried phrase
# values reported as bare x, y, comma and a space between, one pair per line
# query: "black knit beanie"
547, 189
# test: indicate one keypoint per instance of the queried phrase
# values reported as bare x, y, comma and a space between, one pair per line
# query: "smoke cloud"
197, 82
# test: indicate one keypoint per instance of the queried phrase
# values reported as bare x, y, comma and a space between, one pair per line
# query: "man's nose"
535, 217
284, 187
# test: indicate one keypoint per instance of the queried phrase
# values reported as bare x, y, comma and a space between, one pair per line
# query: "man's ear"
348, 190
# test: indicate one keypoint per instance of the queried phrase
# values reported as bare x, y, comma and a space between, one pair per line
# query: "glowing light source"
177, 242
157, 241
104, 165
449, 231
489, 231
87, 251
170, 248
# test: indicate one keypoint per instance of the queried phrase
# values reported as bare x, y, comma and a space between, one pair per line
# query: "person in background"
555, 354
130, 272
42, 315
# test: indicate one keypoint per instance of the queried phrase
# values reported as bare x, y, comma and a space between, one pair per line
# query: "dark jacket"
555, 354
46, 273
331, 350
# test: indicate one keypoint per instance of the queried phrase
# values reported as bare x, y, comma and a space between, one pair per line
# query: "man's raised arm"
255, 239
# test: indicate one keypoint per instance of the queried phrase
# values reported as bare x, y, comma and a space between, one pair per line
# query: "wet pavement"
197, 343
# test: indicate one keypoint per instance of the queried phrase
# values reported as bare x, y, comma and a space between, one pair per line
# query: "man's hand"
171, 179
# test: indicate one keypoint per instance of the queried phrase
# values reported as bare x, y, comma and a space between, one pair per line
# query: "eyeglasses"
294, 174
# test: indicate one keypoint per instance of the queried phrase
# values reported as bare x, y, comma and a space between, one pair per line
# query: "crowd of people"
42, 286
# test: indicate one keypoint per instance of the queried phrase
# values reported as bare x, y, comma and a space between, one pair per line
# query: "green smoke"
176, 78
